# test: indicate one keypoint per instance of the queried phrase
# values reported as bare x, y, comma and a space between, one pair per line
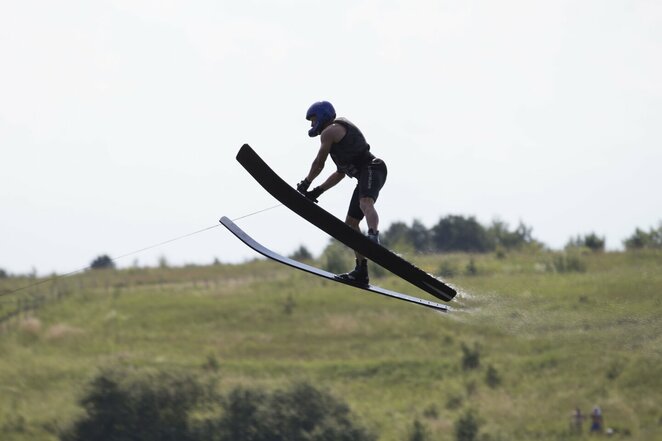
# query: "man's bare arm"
332, 180
331, 134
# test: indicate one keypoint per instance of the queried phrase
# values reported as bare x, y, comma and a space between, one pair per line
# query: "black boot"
373, 236
357, 277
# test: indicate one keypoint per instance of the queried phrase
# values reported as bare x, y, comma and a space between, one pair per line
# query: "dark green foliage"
154, 407
301, 413
457, 233
492, 377
337, 258
567, 263
614, 370
431, 412
470, 357
641, 239
397, 234
594, 242
420, 237
376, 271
471, 268
102, 262
454, 402
160, 407
467, 427
3, 274
447, 269
301, 253
591, 241
418, 432
241, 419
501, 237
163, 262
289, 305
212, 364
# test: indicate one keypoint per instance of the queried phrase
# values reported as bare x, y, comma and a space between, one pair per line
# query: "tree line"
466, 234
125, 404
458, 233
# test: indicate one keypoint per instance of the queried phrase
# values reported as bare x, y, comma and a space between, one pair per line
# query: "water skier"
346, 145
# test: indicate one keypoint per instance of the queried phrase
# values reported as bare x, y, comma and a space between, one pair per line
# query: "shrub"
470, 357
337, 258
447, 269
289, 304
102, 262
467, 427
396, 236
431, 412
568, 263
152, 407
301, 253
177, 407
492, 377
457, 233
471, 269
591, 241
301, 413
404, 238
3, 274
641, 239
418, 432
500, 236
454, 402
163, 262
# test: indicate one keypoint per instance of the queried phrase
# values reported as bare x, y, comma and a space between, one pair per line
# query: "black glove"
302, 186
314, 193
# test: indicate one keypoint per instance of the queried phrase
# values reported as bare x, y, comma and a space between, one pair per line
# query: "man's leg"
367, 205
371, 181
354, 223
359, 275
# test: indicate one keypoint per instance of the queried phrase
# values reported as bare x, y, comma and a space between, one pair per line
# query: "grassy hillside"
550, 334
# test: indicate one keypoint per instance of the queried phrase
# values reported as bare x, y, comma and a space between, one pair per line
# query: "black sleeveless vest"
352, 152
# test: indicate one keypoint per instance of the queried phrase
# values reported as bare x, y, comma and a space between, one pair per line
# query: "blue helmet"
324, 113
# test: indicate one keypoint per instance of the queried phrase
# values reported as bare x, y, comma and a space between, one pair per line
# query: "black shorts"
372, 177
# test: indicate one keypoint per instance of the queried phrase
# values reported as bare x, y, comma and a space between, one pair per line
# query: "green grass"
556, 339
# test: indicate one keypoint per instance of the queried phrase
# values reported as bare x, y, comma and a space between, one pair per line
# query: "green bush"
467, 427
396, 236
457, 233
492, 377
418, 432
447, 269
122, 406
150, 407
591, 241
102, 262
403, 238
567, 263
302, 253
470, 357
641, 239
471, 269
500, 236
376, 271
337, 258
301, 413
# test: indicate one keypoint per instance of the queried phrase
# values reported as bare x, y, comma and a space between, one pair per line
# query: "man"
346, 145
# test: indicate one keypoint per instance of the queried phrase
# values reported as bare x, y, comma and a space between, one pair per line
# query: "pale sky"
120, 120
